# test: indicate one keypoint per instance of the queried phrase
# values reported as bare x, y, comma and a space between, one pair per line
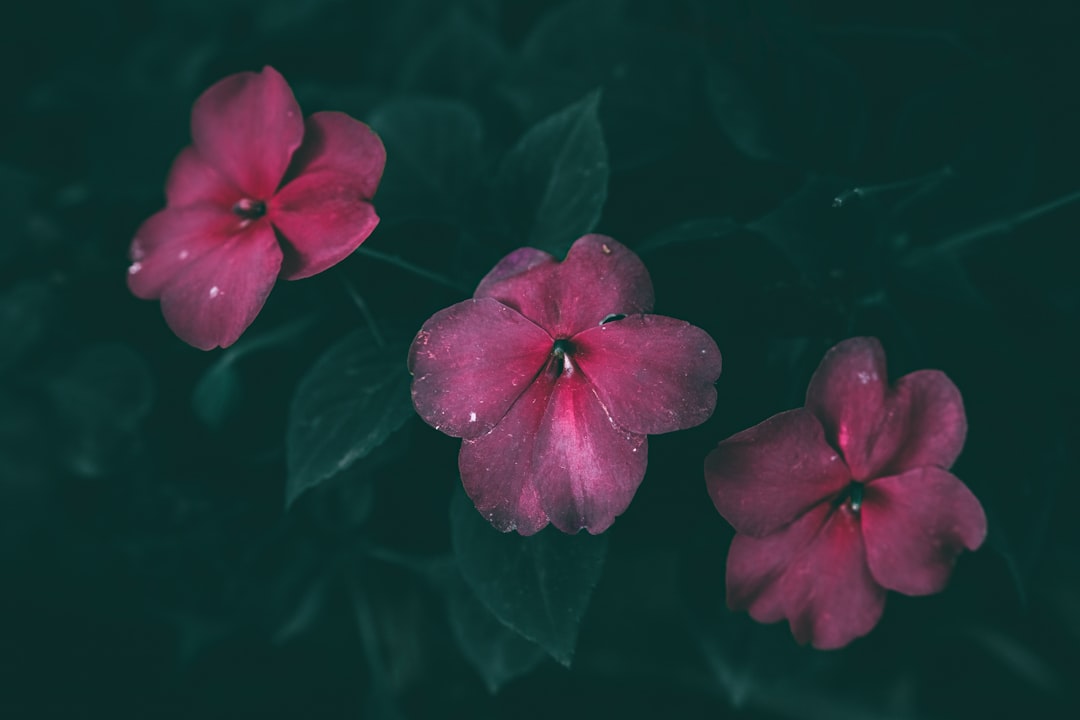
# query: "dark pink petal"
335, 142
247, 126
217, 297
515, 263
847, 393
765, 477
929, 412
586, 468
322, 217
654, 374
814, 573
497, 468
915, 525
193, 180
170, 241
598, 278
471, 361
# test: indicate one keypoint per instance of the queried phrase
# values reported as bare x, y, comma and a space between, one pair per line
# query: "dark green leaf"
25, 311
551, 186
498, 653
348, 404
434, 157
217, 392
689, 231
457, 59
539, 585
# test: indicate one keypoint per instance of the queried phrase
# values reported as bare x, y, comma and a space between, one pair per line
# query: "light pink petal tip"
766, 476
813, 573
247, 126
915, 525
653, 374
471, 361
598, 278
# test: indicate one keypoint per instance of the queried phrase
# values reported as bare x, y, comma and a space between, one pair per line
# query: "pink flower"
848, 497
260, 193
553, 375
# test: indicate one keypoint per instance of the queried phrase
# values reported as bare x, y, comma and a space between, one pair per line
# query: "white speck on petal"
215, 291
472, 417
135, 267
183, 255
865, 377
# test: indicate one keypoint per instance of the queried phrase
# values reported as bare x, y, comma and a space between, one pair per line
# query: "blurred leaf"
649, 78
738, 112
456, 59
539, 585
25, 311
353, 398
688, 232
496, 652
552, 184
103, 396
434, 151
218, 392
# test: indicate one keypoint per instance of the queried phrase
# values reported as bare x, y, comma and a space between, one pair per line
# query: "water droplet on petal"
135, 267
183, 255
215, 291
472, 417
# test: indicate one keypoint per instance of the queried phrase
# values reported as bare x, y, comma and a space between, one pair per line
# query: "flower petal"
931, 424
847, 393
217, 297
515, 263
247, 126
767, 476
654, 374
598, 278
587, 468
497, 467
322, 217
167, 244
471, 361
193, 180
814, 573
915, 525
335, 142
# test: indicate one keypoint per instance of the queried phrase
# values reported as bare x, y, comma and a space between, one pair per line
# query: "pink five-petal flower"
838, 502
553, 374
259, 194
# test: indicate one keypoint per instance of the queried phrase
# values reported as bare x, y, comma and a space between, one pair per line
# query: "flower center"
249, 209
854, 496
560, 357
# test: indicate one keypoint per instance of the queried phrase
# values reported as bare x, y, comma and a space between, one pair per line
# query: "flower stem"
414, 269
961, 241
930, 178
363, 308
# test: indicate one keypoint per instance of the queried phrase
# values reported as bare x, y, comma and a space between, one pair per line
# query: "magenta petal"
170, 241
598, 278
514, 264
847, 393
247, 126
813, 573
497, 468
763, 478
654, 374
928, 413
193, 180
335, 142
322, 218
217, 297
587, 468
471, 361
915, 525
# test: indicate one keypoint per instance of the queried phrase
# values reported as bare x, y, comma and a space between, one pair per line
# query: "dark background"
148, 566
